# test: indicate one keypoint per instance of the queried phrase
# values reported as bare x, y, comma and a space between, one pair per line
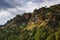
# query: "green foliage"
38, 33
41, 33
51, 37
58, 35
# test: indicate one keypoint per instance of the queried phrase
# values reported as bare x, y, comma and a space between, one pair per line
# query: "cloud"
4, 16
4, 5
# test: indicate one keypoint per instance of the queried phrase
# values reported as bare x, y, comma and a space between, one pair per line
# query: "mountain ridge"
37, 16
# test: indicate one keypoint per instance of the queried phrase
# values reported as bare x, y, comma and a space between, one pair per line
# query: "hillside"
41, 24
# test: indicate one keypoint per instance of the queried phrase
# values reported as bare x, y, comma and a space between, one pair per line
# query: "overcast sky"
9, 8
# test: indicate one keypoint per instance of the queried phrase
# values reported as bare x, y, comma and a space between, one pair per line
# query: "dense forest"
41, 24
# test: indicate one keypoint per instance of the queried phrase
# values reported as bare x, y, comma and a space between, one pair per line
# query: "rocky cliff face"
45, 16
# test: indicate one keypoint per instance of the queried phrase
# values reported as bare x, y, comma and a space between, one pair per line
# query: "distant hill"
19, 20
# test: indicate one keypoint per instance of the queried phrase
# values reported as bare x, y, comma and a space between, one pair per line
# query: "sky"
10, 8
